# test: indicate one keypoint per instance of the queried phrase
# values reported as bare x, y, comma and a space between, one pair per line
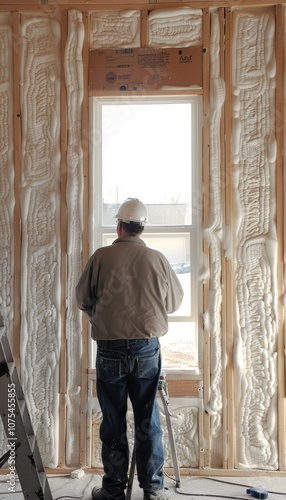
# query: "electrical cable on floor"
201, 494
241, 484
208, 495
219, 481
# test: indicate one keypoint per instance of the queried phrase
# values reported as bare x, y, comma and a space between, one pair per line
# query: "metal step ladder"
23, 453
163, 392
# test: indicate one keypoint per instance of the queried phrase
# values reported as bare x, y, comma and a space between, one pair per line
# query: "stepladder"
22, 456
164, 395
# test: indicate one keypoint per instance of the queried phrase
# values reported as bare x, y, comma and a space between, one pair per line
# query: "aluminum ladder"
23, 453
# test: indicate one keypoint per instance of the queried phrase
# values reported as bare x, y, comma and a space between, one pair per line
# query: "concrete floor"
192, 487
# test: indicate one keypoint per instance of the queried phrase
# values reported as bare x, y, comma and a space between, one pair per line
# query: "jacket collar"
130, 239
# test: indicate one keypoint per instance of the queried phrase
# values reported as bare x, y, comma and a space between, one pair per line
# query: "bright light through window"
147, 154
148, 148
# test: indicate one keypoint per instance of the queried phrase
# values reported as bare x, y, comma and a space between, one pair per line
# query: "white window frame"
97, 230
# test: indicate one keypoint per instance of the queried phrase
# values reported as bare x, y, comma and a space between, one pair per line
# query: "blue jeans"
130, 368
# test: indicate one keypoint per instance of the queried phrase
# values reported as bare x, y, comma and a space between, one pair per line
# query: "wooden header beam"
91, 5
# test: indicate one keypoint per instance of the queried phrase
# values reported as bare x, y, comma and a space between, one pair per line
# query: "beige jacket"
127, 289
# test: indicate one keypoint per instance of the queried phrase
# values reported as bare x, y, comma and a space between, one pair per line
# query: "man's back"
133, 287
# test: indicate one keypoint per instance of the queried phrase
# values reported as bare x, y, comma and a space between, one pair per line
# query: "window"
149, 148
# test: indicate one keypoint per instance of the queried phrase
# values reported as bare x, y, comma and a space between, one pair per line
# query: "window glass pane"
178, 346
149, 149
147, 153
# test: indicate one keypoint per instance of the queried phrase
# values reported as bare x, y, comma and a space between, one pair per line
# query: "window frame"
98, 230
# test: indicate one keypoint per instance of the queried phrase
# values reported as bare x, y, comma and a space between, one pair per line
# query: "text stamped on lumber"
145, 69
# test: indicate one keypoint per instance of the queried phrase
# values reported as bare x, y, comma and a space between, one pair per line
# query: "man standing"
127, 290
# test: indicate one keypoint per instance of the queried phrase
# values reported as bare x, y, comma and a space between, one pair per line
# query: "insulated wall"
255, 252
236, 420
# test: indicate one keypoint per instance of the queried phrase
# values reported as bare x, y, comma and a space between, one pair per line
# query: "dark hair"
132, 228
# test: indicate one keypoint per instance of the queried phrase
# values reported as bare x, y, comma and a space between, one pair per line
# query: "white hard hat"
132, 210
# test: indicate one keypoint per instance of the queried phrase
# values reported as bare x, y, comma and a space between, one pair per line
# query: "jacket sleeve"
175, 292
85, 290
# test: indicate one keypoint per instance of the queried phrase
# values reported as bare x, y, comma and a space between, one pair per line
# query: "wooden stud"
84, 452
225, 447
63, 173
279, 107
205, 215
17, 191
89, 425
144, 28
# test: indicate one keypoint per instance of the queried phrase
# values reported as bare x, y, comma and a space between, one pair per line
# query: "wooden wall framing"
186, 387
88, 5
